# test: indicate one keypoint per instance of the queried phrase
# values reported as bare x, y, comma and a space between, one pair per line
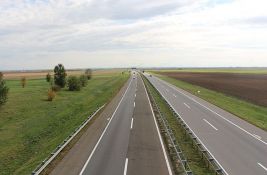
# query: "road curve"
239, 147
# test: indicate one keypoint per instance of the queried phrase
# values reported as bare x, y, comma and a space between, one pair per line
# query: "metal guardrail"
206, 156
59, 148
178, 154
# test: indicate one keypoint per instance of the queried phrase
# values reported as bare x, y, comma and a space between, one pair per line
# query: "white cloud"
117, 33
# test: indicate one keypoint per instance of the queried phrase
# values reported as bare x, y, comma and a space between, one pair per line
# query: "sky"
38, 34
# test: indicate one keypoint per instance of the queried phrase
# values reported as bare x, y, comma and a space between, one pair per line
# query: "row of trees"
73, 83
3, 89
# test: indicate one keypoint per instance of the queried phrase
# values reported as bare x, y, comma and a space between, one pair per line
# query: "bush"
3, 90
88, 73
55, 88
60, 75
23, 81
48, 77
83, 80
51, 95
74, 83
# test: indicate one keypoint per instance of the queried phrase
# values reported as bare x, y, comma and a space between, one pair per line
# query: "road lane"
108, 156
232, 144
145, 153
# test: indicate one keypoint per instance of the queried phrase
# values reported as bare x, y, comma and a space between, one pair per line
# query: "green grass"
31, 127
195, 161
254, 114
219, 70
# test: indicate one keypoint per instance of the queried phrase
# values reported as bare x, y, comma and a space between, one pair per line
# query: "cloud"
117, 33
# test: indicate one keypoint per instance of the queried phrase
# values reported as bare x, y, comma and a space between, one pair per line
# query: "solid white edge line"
125, 167
88, 160
210, 124
262, 166
187, 106
160, 138
215, 113
132, 124
196, 136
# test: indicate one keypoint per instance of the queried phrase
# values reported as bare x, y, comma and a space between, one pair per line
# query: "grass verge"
253, 114
31, 127
194, 159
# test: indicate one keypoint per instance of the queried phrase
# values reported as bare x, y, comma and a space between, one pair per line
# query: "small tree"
88, 73
60, 75
23, 81
74, 83
83, 80
48, 77
3, 90
51, 95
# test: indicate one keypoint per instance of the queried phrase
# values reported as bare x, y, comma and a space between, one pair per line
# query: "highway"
128, 144
239, 147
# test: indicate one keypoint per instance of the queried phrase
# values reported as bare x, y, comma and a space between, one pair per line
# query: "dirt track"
249, 87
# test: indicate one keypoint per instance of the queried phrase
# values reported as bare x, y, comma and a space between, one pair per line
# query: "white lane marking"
216, 114
259, 137
134, 104
174, 95
187, 105
262, 166
196, 136
160, 138
92, 153
132, 124
134, 95
125, 166
210, 124
108, 118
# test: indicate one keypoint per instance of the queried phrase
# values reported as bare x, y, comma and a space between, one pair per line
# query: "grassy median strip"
253, 114
194, 159
32, 127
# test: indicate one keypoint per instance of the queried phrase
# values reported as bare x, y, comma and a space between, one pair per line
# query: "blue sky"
37, 34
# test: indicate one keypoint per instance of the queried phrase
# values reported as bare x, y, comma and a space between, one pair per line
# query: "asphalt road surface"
239, 147
130, 142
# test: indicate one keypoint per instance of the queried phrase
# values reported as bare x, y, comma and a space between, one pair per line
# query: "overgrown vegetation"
51, 95
60, 75
83, 80
30, 127
23, 81
3, 90
88, 73
194, 159
48, 77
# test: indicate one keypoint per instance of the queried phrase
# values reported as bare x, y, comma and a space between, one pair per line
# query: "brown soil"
249, 87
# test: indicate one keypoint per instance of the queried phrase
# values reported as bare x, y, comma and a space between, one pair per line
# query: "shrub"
60, 75
88, 73
23, 81
55, 88
51, 95
74, 83
48, 77
83, 80
3, 90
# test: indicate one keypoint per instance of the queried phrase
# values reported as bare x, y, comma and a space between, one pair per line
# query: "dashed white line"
262, 166
134, 95
173, 87
259, 137
210, 124
134, 104
132, 124
108, 119
187, 106
125, 166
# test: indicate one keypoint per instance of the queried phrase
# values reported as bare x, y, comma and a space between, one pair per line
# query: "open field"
218, 70
248, 87
31, 127
254, 114
42, 74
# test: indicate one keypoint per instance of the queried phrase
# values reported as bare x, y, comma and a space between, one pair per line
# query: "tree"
48, 77
74, 83
83, 80
23, 81
3, 90
60, 75
88, 73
